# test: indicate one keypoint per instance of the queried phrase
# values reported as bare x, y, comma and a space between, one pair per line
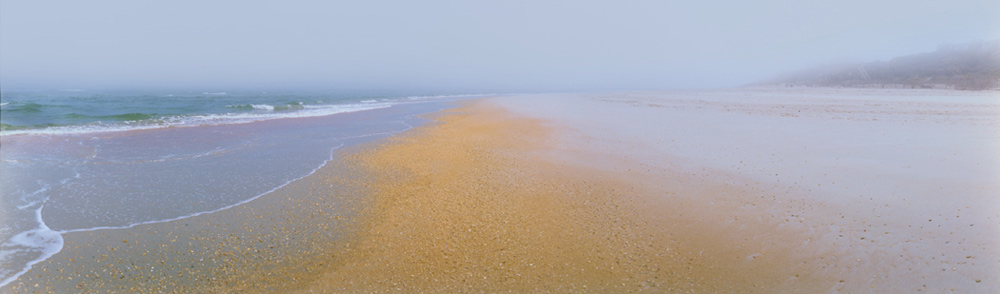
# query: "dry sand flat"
889, 191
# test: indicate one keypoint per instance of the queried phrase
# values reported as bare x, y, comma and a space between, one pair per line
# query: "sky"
462, 46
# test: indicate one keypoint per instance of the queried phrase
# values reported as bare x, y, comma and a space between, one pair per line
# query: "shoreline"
248, 247
530, 194
344, 143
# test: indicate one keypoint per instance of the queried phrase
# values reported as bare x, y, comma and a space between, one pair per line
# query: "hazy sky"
497, 46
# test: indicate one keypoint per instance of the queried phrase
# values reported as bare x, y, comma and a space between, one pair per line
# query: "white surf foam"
262, 107
41, 239
199, 120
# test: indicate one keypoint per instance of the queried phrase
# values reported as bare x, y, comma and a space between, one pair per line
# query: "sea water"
77, 160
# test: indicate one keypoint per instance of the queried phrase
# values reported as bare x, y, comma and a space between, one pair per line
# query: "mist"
456, 46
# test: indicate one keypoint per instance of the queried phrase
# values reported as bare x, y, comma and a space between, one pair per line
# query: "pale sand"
662, 192
887, 191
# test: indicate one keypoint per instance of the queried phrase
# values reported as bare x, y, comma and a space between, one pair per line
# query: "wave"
24, 107
30, 107
290, 106
7, 127
150, 121
135, 116
266, 107
262, 107
252, 107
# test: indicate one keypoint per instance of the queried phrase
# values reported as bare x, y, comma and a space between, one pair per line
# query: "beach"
757, 190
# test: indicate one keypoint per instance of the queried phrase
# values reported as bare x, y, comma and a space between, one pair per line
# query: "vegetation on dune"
972, 66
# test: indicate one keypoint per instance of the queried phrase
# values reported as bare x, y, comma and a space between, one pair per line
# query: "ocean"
83, 160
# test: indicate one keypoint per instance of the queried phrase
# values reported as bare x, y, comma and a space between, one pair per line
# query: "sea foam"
43, 240
199, 120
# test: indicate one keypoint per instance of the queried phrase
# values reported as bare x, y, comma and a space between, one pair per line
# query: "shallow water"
92, 176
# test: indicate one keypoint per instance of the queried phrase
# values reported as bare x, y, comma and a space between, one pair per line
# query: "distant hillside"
974, 66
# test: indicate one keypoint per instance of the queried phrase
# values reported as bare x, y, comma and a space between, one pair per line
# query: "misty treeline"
971, 66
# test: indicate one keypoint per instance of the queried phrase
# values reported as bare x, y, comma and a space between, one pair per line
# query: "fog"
461, 46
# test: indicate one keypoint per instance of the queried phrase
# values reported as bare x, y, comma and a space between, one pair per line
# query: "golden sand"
460, 207
472, 203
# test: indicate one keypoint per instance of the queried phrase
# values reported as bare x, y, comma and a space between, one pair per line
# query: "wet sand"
656, 192
269, 245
